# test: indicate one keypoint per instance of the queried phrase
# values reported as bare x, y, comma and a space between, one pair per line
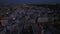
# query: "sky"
30, 1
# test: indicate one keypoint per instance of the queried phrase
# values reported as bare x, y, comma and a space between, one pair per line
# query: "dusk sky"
31, 1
